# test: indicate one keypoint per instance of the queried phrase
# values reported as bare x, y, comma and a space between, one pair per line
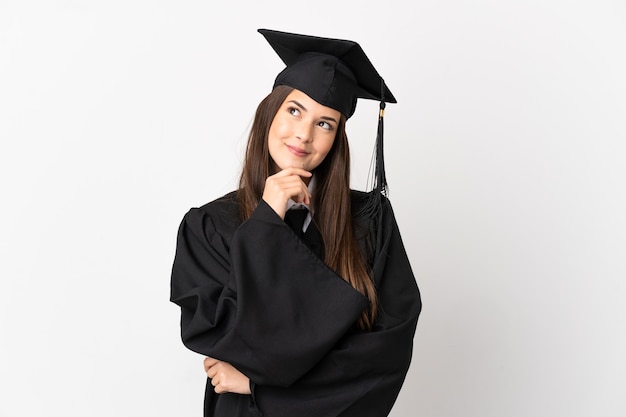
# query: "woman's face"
302, 132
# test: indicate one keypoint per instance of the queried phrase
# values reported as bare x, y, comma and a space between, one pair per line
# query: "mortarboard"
335, 73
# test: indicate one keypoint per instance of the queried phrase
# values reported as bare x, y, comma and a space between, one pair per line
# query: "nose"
305, 132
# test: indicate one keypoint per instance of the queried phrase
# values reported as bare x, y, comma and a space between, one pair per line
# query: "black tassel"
381, 178
379, 188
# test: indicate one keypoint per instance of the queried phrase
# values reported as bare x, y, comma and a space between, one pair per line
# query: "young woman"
296, 288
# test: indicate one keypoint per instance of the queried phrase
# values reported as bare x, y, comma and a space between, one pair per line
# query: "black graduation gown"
255, 295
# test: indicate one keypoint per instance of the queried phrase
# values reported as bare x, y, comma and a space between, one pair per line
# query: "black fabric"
333, 72
254, 294
295, 219
313, 239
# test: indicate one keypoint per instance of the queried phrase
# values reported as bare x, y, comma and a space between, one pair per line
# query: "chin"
293, 163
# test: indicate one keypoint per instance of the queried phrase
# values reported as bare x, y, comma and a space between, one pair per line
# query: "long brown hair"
331, 199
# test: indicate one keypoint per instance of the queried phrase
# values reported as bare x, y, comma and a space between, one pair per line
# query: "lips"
297, 151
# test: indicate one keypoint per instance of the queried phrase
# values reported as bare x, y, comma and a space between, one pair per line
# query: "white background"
505, 157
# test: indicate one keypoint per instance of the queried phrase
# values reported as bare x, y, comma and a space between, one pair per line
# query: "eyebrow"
297, 103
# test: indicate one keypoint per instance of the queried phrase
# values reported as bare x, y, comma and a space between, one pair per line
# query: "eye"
294, 111
325, 125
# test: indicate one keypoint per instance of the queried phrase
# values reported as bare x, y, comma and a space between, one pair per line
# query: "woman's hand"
225, 377
286, 184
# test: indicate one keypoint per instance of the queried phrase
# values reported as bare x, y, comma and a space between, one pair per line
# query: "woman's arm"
260, 301
364, 372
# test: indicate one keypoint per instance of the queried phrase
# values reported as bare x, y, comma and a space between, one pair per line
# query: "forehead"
311, 105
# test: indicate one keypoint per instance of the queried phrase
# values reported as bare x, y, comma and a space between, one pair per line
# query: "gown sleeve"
363, 373
259, 299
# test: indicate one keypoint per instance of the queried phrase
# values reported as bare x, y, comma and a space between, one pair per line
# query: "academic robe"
258, 296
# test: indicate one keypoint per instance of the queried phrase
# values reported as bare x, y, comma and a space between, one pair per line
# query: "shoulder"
220, 216
227, 205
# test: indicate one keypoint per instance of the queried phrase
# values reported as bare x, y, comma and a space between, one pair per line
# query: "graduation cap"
335, 73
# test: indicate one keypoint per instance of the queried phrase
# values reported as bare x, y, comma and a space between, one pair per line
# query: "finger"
209, 362
217, 386
289, 187
299, 171
298, 194
301, 197
293, 171
285, 179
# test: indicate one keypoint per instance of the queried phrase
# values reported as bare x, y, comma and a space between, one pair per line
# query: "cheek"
279, 129
275, 138
325, 146
274, 135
